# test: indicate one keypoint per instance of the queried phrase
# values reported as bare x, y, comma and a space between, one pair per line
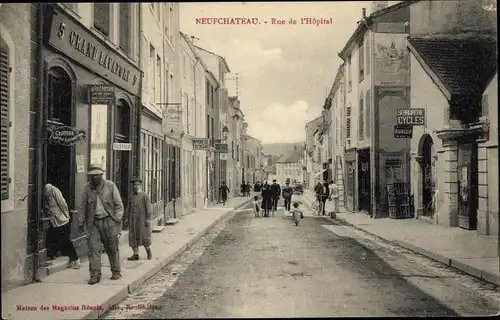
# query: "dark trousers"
103, 232
275, 203
323, 201
59, 239
288, 201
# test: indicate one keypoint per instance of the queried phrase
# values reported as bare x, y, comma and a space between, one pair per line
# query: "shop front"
90, 116
151, 160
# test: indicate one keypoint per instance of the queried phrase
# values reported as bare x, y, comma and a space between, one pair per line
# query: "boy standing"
297, 214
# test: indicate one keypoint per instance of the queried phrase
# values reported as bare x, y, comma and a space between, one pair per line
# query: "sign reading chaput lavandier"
81, 45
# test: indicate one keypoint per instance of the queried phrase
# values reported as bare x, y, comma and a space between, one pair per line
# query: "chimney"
379, 5
363, 13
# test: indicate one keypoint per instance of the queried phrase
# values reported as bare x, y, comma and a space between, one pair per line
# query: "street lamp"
225, 132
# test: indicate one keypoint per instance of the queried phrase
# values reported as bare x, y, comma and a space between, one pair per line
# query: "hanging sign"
122, 146
411, 117
102, 94
201, 144
403, 131
221, 146
66, 136
171, 117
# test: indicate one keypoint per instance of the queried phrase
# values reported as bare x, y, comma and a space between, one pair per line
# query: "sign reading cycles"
411, 117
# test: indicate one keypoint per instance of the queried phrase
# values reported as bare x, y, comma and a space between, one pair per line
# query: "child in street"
256, 206
296, 213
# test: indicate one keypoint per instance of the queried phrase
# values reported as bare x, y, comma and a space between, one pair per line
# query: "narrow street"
268, 267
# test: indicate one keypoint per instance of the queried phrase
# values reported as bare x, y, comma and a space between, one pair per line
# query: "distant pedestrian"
137, 217
256, 206
287, 195
102, 212
325, 195
275, 194
248, 189
334, 197
297, 214
266, 198
59, 232
224, 191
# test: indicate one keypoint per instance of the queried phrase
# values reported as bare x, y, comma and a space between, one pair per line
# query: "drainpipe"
40, 150
195, 116
139, 105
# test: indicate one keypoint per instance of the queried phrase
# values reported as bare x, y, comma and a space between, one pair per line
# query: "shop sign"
221, 147
402, 131
118, 146
66, 136
102, 94
171, 118
411, 117
70, 38
201, 144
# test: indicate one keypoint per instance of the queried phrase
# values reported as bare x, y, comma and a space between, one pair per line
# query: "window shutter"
5, 128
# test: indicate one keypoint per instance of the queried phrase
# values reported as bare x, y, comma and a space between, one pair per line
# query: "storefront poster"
171, 118
391, 60
80, 163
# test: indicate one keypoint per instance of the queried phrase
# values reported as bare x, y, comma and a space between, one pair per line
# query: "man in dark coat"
275, 193
287, 194
137, 218
223, 191
266, 198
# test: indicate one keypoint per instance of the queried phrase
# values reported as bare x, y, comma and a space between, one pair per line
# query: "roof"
362, 27
215, 54
194, 51
336, 84
463, 66
293, 156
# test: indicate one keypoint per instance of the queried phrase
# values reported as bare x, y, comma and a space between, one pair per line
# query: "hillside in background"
279, 149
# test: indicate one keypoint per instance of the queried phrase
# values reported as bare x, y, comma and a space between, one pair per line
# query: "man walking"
287, 194
102, 212
137, 218
223, 191
275, 192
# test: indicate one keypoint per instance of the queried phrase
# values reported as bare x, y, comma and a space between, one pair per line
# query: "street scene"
208, 160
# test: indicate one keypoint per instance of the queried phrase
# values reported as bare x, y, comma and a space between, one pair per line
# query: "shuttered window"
5, 131
125, 20
348, 123
102, 17
361, 125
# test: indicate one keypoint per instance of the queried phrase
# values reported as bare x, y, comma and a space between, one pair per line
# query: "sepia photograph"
181, 160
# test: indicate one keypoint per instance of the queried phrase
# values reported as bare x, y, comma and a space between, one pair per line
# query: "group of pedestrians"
101, 217
327, 191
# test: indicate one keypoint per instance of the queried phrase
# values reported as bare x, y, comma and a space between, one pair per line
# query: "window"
123, 120
102, 17
208, 126
213, 128
367, 55
186, 103
237, 153
59, 98
232, 149
171, 18
166, 87
6, 91
348, 122
349, 76
484, 106
367, 112
151, 77
125, 26
158, 79
361, 125
154, 169
361, 59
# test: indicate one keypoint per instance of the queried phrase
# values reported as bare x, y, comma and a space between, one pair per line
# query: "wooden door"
467, 186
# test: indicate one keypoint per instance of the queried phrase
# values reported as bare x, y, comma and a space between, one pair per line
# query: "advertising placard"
201, 144
171, 118
101, 94
391, 60
402, 131
411, 117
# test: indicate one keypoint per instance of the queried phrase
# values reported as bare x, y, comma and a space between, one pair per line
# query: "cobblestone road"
267, 267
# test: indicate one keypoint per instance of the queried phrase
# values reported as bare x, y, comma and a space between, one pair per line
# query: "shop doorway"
427, 176
122, 158
467, 185
59, 158
364, 180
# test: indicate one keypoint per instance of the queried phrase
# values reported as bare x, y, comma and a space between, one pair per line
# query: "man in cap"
137, 218
102, 212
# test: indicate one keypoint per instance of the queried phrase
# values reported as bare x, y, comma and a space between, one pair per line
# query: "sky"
286, 71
